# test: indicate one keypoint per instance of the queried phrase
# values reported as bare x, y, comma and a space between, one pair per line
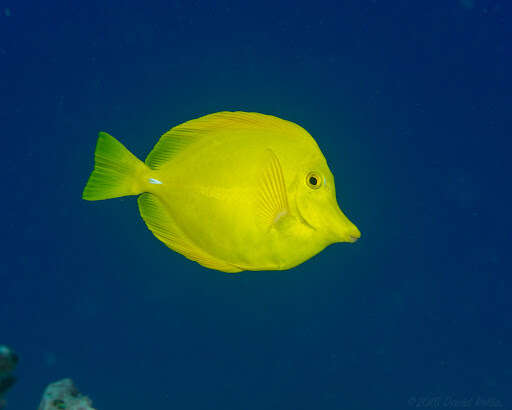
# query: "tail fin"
117, 172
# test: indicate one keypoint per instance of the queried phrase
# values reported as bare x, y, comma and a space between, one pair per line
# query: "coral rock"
8, 362
63, 395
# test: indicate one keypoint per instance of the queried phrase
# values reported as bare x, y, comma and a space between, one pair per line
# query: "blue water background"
410, 102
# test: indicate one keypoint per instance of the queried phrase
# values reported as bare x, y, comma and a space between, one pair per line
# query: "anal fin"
158, 220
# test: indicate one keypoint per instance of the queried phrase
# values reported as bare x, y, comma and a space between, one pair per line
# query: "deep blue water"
410, 102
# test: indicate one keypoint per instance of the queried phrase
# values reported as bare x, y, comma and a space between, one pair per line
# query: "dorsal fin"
172, 142
183, 135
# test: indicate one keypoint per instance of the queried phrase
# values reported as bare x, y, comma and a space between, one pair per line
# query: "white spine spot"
154, 181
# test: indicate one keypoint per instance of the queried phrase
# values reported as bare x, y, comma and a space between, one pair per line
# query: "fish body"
232, 191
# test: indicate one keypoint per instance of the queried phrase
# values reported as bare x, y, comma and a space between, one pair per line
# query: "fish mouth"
354, 236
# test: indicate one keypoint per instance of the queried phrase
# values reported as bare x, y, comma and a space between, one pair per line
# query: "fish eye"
314, 180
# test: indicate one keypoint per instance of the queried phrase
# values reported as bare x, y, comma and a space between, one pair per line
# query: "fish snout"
342, 229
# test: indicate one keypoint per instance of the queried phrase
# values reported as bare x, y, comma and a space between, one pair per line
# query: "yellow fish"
232, 191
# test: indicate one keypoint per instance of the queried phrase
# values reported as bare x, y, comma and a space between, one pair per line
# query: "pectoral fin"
272, 197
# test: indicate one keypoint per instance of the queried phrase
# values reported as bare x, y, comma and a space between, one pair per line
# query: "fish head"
317, 205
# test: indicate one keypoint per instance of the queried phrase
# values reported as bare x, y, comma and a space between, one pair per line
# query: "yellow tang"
232, 191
